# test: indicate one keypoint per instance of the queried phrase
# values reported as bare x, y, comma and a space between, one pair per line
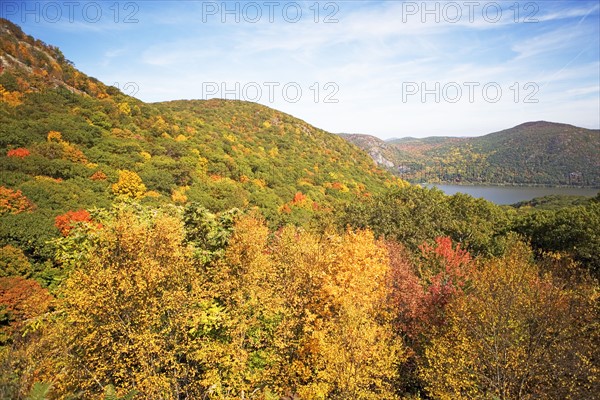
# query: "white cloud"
370, 54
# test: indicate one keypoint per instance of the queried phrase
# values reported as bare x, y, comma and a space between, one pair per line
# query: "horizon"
380, 68
475, 135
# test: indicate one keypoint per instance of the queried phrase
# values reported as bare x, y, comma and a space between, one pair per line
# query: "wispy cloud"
371, 53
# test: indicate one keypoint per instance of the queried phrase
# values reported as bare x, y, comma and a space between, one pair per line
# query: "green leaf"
39, 391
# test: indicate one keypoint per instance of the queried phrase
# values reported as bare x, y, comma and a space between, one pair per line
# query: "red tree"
20, 153
66, 221
20, 300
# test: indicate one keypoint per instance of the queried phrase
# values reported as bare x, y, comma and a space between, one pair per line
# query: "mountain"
378, 149
540, 152
69, 142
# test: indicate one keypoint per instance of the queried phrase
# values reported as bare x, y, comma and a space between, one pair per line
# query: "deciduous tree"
130, 185
132, 307
515, 335
340, 339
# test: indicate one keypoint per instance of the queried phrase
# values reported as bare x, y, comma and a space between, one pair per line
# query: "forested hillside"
69, 142
534, 153
225, 250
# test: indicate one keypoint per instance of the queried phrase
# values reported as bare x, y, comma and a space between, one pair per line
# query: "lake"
514, 194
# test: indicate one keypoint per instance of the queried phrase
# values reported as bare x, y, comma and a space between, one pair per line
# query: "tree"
444, 271
13, 201
409, 215
421, 290
20, 300
573, 230
13, 262
339, 338
130, 185
245, 357
98, 176
412, 215
65, 222
516, 334
19, 153
131, 307
14, 98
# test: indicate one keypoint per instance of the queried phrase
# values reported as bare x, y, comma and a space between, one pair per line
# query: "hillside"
534, 153
378, 149
67, 139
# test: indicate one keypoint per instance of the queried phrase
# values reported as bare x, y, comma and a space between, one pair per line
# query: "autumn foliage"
299, 197
326, 279
20, 300
98, 176
129, 185
65, 222
517, 334
13, 98
445, 271
220, 306
297, 314
129, 311
19, 153
13, 201
68, 151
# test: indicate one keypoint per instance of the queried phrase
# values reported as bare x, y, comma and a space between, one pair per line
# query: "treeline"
410, 294
506, 174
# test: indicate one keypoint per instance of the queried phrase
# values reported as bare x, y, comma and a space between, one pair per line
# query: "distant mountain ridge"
534, 153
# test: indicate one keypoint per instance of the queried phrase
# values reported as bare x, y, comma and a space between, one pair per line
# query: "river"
514, 194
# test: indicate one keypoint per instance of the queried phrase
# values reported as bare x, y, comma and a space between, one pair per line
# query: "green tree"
572, 230
13, 262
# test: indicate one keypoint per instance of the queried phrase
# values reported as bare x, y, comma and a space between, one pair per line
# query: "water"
514, 194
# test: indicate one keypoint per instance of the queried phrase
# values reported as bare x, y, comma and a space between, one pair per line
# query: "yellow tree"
517, 334
340, 342
129, 185
245, 358
68, 151
133, 309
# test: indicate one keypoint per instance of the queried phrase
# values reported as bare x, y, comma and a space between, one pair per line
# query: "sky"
385, 68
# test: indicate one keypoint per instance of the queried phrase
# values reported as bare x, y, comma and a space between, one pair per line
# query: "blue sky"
387, 68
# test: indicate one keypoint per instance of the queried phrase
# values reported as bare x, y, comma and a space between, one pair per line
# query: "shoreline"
509, 185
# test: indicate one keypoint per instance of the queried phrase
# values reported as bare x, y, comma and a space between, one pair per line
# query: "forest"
533, 154
225, 250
